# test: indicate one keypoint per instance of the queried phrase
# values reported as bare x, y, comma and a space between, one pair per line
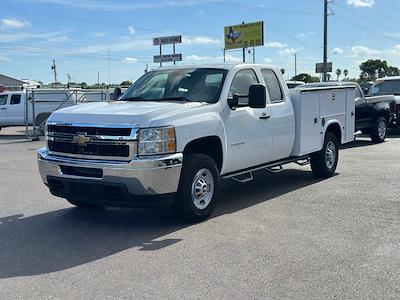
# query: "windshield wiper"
132, 99
177, 99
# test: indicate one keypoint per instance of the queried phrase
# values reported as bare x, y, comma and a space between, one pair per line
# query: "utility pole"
98, 78
68, 78
324, 76
295, 64
109, 76
244, 51
53, 67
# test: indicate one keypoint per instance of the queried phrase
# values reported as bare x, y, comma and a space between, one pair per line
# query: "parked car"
177, 131
293, 84
373, 114
388, 86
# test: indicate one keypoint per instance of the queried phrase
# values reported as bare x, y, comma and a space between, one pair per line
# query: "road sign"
175, 39
244, 35
167, 58
319, 67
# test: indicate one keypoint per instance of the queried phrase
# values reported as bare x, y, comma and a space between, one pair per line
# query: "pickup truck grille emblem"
81, 139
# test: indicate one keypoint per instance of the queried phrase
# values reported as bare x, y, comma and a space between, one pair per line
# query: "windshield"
387, 87
194, 84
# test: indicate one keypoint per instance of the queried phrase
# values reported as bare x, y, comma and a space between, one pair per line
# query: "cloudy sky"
78, 34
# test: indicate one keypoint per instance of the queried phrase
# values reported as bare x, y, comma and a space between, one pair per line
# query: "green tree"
283, 71
373, 69
338, 73
392, 71
307, 78
345, 72
126, 82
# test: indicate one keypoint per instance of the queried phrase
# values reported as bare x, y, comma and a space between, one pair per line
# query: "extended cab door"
282, 116
16, 109
3, 109
248, 130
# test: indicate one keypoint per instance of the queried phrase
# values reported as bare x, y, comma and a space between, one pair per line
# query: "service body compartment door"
350, 116
308, 124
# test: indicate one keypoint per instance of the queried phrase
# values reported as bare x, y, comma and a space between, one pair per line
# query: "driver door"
248, 130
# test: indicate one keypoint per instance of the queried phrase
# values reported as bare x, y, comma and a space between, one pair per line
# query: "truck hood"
376, 99
140, 113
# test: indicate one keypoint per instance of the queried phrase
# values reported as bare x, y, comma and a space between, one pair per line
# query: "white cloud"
98, 34
195, 57
362, 51
4, 59
268, 60
361, 3
230, 58
338, 50
131, 30
289, 51
13, 23
130, 60
276, 45
200, 40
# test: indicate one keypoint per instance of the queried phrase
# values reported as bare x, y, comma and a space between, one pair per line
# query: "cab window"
241, 84
3, 99
273, 86
15, 99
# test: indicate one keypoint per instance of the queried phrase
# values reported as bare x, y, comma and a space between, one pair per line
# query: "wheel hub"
202, 188
330, 155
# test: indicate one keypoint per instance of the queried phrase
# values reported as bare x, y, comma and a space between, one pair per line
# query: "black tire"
320, 165
184, 205
379, 130
81, 204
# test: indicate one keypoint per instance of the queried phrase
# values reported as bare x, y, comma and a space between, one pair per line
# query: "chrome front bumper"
150, 176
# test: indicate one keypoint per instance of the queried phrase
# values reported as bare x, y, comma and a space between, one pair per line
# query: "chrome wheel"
330, 155
202, 188
382, 129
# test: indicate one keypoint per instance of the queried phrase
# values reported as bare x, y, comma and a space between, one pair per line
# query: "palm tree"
338, 73
345, 72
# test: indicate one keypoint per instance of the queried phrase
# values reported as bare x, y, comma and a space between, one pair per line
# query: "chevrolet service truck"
176, 132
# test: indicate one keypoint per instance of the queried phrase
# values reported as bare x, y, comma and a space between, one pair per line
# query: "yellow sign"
244, 35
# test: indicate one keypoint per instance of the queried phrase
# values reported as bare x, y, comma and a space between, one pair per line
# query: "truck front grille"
91, 142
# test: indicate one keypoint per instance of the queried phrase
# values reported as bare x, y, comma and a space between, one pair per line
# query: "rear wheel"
198, 188
324, 162
379, 130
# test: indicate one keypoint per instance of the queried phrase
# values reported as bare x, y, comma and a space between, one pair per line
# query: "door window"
15, 99
241, 84
273, 86
3, 99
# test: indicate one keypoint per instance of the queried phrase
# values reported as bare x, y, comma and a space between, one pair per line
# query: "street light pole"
324, 77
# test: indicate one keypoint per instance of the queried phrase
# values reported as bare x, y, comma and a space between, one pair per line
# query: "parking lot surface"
287, 235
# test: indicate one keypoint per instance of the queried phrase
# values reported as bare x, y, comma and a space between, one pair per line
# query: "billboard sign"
175, 39
319, 67
167, 58
244, 35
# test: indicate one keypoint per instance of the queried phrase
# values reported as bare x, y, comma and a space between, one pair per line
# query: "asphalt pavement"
286, 235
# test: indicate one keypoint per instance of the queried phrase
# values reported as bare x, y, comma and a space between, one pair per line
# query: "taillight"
393, 106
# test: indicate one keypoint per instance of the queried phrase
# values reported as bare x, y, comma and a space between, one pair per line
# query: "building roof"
9, 81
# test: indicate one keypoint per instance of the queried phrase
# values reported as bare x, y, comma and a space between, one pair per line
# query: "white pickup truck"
177, 131
19, 108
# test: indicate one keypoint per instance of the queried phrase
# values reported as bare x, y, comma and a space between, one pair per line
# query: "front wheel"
379, 130
198, 188
324, 162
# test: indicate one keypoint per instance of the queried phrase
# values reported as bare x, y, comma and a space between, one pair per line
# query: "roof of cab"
226, 66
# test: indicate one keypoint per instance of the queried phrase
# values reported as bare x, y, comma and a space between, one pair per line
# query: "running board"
245, 179
270, 167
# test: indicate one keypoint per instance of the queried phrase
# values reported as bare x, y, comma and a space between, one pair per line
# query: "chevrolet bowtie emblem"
81, 139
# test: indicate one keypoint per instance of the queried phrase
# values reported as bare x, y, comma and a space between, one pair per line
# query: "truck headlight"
158, 140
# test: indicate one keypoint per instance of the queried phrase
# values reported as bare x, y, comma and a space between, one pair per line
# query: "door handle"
265, 117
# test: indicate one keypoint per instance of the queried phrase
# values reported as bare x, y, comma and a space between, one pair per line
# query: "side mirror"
234, 101
257, 96
117, 92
